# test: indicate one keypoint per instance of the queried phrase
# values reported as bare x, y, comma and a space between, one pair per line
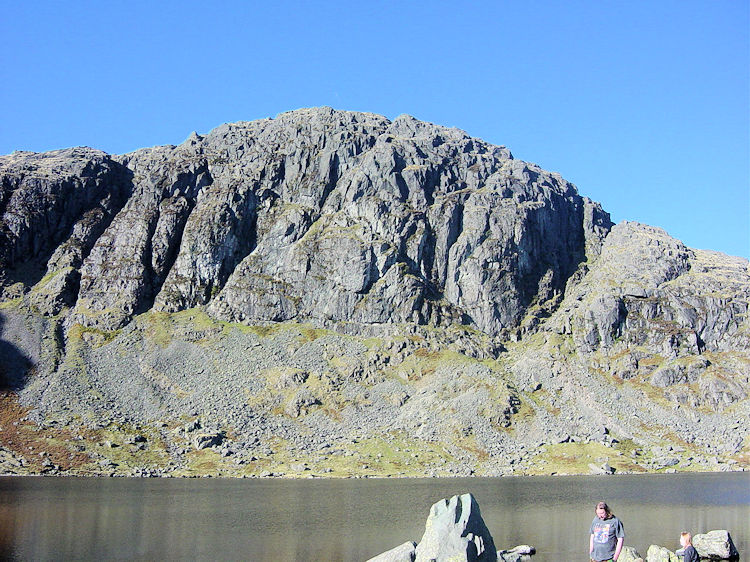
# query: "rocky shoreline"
455, 530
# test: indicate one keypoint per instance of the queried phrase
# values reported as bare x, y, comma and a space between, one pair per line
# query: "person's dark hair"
605, 507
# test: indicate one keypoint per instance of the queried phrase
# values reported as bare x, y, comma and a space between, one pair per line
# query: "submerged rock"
520, 553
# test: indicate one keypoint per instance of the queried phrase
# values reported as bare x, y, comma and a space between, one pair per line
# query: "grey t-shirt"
606, 532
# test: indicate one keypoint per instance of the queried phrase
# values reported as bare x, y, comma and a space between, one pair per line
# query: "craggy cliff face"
318, 215
367, 227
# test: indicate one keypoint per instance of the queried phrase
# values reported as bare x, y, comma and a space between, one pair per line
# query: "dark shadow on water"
14, 363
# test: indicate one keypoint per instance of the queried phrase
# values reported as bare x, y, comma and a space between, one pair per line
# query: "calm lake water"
330, 520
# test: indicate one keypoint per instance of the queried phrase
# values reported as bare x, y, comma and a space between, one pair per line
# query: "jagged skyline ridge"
631, 106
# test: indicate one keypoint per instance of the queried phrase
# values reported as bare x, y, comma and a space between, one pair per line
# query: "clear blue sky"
642, 104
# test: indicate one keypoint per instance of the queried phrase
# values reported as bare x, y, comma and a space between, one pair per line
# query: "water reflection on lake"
210, 519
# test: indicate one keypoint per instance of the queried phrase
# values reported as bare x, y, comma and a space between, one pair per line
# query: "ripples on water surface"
330, 520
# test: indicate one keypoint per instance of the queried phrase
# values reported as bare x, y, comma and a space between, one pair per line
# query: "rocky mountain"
332, 292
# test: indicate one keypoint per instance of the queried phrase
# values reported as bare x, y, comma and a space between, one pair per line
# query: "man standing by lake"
607, 534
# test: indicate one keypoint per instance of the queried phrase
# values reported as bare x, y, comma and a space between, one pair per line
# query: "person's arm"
591, 544
620, 542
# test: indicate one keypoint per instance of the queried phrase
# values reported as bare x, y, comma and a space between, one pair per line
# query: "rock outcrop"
649, 292
320, 215
326, 271
455, 530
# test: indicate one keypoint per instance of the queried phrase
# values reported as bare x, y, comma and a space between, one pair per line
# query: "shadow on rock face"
14, 363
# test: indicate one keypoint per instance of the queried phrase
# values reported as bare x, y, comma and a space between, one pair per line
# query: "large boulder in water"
715, 545
455, 530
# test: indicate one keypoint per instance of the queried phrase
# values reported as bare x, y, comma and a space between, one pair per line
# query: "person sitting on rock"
689, 554
607, 534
